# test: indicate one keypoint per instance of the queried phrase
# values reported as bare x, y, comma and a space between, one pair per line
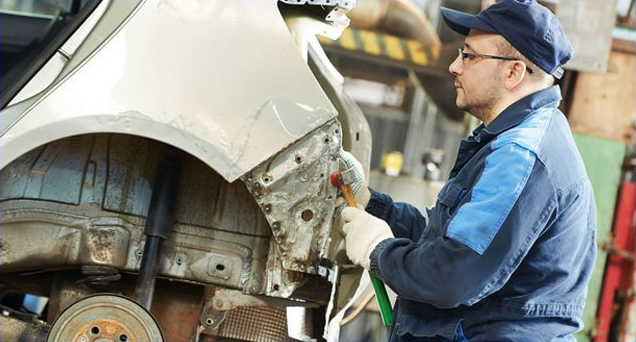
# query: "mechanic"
507, 251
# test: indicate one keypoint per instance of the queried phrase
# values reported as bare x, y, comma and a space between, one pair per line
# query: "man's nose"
456, 67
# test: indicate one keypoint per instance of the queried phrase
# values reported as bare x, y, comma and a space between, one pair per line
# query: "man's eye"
469, 56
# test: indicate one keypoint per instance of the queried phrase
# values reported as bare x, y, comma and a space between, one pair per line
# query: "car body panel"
221, 80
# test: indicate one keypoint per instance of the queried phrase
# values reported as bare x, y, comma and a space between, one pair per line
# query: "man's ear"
515, 72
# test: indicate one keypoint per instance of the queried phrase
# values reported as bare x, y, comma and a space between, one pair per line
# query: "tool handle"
386, 311
349, 196
383, 300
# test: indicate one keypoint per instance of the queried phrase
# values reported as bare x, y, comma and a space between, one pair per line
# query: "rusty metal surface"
103, 190
176, 307
104, 329
229, 245
222, 235
105, 317
41, 235
226, 299
64, 292
294, 192
14, 329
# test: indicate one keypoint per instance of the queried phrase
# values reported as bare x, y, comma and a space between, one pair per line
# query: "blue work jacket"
507, 251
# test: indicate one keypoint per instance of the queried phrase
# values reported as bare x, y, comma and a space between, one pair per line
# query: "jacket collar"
517, 112
510, 117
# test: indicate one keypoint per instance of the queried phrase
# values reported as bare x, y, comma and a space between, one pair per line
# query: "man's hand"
359, 187
363, 232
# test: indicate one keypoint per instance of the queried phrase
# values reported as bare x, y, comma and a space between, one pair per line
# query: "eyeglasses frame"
463, 55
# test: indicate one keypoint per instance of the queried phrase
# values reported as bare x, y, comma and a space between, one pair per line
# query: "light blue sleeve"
505, 174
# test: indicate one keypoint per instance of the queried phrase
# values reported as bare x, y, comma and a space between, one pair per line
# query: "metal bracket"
226, 299
327, 270
211, 319
327, 273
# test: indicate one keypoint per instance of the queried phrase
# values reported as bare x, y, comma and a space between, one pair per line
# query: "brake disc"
105, 317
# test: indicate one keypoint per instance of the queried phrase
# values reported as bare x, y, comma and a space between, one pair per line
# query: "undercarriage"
77, 215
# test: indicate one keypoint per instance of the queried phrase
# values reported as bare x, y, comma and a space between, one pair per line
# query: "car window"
30, 33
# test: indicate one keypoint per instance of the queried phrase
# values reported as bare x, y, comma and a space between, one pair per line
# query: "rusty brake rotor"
105, 317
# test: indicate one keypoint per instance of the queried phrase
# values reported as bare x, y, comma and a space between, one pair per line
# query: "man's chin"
460, 104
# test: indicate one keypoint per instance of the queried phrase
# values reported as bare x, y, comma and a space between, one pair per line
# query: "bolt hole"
337, 131
326, 140
123, 338
95, 330
299, 159
307, 215
322, 175
209, 321
220, 267
276, 287
179, 261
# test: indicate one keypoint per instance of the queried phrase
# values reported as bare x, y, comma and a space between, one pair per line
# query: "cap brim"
462, 23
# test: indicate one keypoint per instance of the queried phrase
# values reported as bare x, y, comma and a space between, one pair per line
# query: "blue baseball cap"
530, 27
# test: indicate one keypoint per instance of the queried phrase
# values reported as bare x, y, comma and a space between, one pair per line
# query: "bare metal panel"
297, 197
117, 172
221, 235
220, 79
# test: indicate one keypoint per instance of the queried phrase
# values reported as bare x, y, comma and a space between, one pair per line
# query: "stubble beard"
481, 107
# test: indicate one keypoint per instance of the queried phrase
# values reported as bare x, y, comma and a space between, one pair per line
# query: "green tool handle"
383, 300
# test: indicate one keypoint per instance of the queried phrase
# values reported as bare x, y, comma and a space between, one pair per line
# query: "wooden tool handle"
349, 196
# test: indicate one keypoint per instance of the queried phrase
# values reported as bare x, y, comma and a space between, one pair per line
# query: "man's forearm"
405, 220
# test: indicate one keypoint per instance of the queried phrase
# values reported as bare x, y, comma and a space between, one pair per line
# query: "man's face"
479, 81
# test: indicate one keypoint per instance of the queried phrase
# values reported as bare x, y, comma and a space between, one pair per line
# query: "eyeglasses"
463, 55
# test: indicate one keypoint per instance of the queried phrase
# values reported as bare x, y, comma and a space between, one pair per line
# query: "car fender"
221, 80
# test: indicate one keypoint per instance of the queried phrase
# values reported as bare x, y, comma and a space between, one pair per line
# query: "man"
508, 249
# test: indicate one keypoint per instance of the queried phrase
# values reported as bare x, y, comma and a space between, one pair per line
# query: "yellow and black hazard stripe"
385, 46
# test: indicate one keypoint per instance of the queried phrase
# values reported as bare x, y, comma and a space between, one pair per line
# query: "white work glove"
359, 186
363, 232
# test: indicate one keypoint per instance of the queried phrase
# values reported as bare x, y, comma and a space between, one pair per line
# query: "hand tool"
344, 180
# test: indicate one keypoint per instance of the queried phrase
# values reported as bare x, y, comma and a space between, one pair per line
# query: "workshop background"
395, 56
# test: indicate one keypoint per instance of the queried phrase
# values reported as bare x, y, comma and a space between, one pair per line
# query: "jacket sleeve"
405, 220
482, 243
